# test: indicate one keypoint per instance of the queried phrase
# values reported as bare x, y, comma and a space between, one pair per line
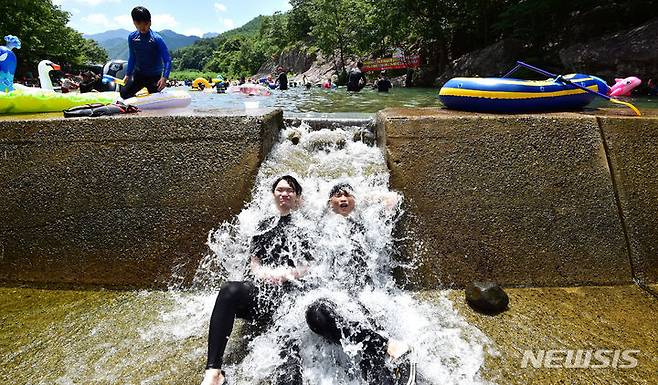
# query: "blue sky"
189, 17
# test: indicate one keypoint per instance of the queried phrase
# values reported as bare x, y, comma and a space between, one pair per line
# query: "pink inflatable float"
250, 89
623, 87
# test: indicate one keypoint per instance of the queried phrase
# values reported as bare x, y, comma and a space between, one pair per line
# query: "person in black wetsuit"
278, 260
383, 84
356, 79
323, 317
282, 79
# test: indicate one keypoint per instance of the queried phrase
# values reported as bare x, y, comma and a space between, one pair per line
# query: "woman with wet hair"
278, 261
323, 317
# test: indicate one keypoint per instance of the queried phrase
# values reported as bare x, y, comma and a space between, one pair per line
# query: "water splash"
448, 349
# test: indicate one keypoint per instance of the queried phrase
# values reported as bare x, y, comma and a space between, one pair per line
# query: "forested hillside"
440, 31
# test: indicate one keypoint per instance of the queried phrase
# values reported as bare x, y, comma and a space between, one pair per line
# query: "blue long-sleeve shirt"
149, 55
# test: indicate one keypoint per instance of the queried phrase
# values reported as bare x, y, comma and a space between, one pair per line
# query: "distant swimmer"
383, 84
356, 79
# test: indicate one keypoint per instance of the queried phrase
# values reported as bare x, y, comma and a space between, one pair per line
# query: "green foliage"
41, 27
192, 74
440, 30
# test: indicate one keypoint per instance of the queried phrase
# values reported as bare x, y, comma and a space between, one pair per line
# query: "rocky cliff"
633, 52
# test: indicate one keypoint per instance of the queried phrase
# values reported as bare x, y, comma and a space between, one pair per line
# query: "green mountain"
115, 41
222, 49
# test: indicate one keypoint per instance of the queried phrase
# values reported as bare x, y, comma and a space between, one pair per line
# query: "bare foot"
213, 377
396, 349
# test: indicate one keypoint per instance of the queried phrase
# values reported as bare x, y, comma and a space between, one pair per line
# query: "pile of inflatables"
19, 99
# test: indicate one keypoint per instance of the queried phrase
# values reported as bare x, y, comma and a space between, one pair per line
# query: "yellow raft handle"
632, 107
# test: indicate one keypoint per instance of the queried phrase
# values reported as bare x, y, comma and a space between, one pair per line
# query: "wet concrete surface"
578, 318
153, 337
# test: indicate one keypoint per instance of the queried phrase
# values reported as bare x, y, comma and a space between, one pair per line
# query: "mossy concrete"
122, 202
518, 199
579, 318
632, 146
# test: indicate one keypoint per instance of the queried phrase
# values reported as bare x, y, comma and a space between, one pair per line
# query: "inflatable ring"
197, 81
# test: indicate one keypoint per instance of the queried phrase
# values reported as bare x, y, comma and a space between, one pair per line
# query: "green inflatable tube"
25, 100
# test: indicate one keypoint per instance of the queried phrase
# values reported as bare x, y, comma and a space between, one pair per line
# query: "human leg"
136, 83
236, 298
323, 319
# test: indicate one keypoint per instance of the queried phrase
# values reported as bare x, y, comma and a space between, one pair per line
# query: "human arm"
276, 275
166, 61
130, 68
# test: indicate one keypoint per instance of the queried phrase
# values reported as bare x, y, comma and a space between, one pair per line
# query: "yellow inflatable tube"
197, 81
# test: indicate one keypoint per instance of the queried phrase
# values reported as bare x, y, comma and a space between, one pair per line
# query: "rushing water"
301, 100
69, 337
449, 351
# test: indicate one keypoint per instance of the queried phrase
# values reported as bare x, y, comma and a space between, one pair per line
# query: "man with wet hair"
323, 317
278, 261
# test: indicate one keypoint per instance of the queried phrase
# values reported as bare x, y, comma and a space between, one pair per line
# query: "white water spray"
448, 350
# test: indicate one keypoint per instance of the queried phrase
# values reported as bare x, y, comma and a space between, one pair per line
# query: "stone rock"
632, 52
296, 60
486, 297
494, 60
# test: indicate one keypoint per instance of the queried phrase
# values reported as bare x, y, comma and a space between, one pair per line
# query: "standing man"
282, 80
356, 79
149, 62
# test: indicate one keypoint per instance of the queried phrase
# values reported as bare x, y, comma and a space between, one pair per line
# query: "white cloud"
228, 23
219, 7
193, 31
123, 21
164, 21
97, 19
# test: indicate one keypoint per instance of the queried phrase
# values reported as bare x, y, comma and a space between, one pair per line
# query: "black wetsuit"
383, 85
324, 319
354, 80
257, 301
283, 81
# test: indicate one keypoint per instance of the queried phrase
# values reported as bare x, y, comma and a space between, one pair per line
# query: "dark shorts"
137, 82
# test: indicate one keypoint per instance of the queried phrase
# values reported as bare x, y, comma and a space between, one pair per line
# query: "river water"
106, 337
299, 100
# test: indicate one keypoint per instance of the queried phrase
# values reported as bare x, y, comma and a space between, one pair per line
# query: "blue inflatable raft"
509, 95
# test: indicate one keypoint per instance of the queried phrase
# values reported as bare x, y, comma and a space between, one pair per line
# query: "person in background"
90, 82
653, 87
149, 62
68, 84
356, 79
282, 79
383, 84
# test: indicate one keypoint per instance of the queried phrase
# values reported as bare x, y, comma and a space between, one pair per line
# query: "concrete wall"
122, 202
524, 200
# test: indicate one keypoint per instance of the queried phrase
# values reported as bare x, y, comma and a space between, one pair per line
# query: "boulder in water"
486, 297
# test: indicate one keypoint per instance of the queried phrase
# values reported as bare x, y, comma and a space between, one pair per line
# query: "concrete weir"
122, 202
525, 200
